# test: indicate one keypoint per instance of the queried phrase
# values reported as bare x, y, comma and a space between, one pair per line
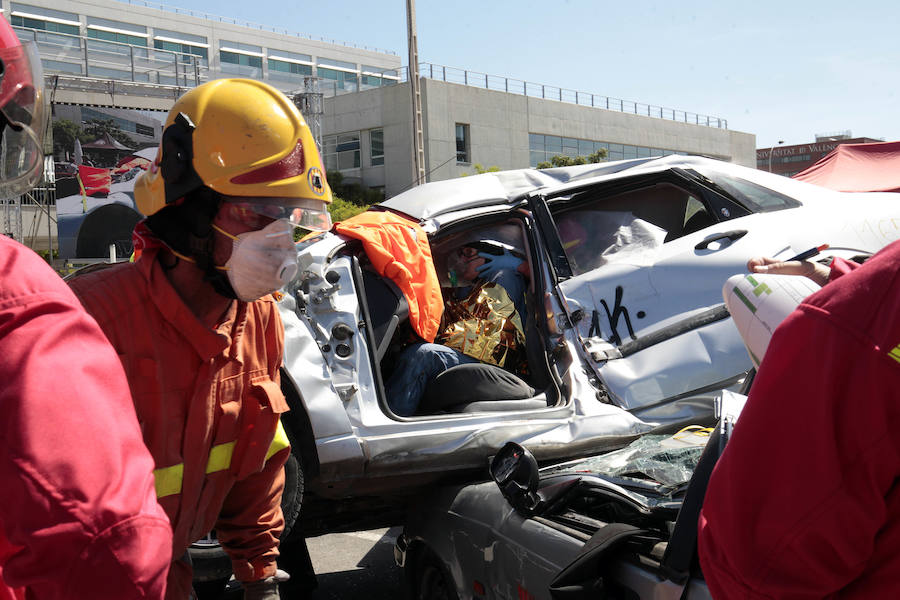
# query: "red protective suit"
208, 402
804, 502
78, 515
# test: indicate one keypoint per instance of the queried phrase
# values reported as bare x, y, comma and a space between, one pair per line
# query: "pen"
809, 253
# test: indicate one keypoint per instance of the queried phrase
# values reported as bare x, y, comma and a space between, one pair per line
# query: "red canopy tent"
857, 168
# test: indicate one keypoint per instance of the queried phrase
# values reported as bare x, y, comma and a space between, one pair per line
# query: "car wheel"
108, 224
432, 582
211, 565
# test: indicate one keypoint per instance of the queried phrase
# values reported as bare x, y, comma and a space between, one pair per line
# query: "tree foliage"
480, 170
65, 132
560, 160
354, 193
341, 210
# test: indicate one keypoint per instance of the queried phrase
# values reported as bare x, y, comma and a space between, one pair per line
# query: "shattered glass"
667, 459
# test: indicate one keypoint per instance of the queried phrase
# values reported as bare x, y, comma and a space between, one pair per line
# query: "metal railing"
230, 20
84, 56
539, 90
526, 88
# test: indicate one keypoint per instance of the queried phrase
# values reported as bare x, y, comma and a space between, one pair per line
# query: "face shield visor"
23, 116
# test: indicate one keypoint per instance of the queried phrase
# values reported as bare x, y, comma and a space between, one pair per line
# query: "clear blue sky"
782, 70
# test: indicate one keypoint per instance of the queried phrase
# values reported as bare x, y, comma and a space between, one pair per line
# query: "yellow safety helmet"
239, 138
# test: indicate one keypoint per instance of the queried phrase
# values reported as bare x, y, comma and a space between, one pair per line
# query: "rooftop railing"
540, 90
526, 88
95, 58
250, 25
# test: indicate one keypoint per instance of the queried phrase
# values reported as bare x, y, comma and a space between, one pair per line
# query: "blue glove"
496, 263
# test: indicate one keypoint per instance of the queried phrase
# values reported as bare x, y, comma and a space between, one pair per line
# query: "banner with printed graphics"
98, 153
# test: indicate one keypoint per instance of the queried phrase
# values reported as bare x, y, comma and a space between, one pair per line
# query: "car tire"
292, 496
110, 224
431, 579
212, 566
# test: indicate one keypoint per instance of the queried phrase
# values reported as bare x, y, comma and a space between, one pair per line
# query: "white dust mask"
262, 261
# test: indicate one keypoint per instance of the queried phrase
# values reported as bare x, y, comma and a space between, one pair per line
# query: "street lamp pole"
771, 152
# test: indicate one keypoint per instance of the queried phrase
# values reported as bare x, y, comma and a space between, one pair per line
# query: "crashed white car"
625, 331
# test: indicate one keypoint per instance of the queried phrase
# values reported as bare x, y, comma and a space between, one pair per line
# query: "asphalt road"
356, 565
350, 566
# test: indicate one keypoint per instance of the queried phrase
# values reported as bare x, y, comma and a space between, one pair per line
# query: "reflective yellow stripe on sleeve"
168, 479
219, 457
279, 442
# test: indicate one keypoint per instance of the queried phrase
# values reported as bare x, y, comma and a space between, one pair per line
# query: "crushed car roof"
436, 198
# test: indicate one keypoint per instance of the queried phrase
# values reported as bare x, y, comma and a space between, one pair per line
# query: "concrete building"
790, 160
368, 135
145, 42
140, 55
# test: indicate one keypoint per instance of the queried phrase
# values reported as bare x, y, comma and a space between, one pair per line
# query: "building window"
44, 25
183, 43
341, 151
182, 48
376, 146
292, 68
45, 19
462, 143
243, 60
342, 80
122, 38
117, 31
542, 148
144, 130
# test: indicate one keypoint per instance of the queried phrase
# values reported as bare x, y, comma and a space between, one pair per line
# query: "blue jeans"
420, 363
416, 366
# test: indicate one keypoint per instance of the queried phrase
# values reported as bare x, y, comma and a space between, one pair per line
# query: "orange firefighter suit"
208, 402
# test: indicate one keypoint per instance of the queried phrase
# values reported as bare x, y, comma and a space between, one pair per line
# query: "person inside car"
483, 320
196, 325
804, 501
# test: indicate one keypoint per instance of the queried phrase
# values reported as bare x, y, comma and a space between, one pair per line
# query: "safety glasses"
259, 212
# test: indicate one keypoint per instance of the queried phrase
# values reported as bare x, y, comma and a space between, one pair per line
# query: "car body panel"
480, 539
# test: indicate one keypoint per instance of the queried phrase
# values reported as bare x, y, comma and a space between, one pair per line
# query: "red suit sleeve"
79, 517
840, 267
799, 496
251, 520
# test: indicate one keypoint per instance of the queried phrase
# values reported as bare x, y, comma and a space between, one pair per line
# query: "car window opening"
504, 369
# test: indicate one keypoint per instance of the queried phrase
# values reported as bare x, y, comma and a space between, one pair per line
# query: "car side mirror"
515, 471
